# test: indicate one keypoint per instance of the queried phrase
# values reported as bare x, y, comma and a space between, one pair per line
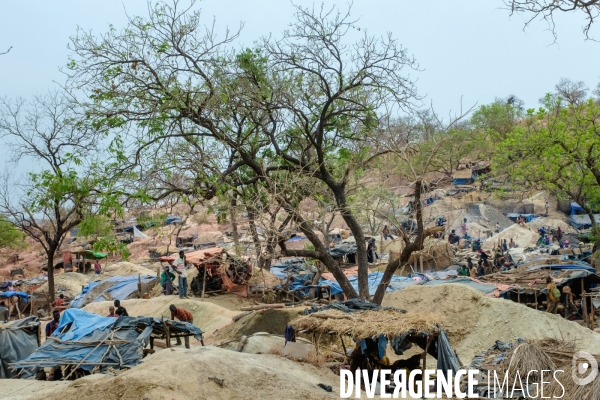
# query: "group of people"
554, 297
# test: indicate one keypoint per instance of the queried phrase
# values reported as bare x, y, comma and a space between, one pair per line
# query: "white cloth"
179, 266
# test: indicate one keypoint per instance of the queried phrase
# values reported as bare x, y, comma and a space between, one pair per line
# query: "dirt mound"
69, 284
474, 321
271, 321
546, 222
453, 301
523, 237
125, 268
180, 374
209, 317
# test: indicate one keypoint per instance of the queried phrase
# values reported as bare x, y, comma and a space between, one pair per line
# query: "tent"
464, 177
138, 234
91, 342
18, 339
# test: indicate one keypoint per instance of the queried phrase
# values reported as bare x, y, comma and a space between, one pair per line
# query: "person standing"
59, 304
553, 296
184, 316
179, 266
97, 267
52, 325
463, 227
570, 307
386, 233
547, 207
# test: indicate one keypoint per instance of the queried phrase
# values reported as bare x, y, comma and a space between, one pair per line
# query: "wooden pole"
536, 299
584, 304
425, 360
140, 286
421, 262
203, 283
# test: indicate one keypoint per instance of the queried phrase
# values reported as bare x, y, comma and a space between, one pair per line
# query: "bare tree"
547, 10
573, 92
56, 196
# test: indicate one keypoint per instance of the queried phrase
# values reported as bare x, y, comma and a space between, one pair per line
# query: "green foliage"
110, 244
557, 148
95, 225
10, 237
497, 119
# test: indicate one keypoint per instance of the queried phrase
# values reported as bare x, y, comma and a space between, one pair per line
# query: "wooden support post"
536, 300
203, 283
425, 360
140, 294
584, 304
151, 342
344, 347
421, 263
518, 295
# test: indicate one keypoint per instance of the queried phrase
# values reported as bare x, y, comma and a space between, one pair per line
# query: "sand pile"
262, 277
69, 284
125, 268
474, 321
209, 317
523, 237
271, 321
546, 222
180, 374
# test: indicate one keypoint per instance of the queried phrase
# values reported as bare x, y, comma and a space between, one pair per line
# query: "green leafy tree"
557, 147
10, 237
62, 190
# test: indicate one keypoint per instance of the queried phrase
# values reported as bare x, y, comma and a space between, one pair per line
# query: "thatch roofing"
534, 279
464, 174
368, 324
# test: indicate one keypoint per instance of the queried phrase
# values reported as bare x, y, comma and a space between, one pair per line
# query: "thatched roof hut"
368, 324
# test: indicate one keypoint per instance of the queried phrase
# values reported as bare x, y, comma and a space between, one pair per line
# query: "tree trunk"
410, 247
255, 238
50, 266
361, 246
234, 227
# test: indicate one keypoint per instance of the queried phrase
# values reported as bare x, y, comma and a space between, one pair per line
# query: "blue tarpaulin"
100, 341
21, 295
118, 288
397, 282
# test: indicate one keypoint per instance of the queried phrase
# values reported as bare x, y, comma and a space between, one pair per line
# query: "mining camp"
288, 200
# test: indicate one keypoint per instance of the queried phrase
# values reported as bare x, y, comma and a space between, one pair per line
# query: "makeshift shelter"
374, 328
217, 270
18, 339
82, 257
464, 177
91, 343
138, 234
113, 288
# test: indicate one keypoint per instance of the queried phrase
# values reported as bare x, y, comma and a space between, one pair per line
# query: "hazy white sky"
468, 48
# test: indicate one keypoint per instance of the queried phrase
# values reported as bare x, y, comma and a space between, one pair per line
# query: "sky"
470, 51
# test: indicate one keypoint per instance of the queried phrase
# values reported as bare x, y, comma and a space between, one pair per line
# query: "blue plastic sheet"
374, 279
83, 322
122, 287
12, 293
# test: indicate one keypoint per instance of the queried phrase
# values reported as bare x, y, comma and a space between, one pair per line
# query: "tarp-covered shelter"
373, 327
18, 339
464, 177
113, 288
92, 342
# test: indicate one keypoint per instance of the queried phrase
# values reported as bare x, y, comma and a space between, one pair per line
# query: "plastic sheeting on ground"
98, 341
120, 289
138, 234
18, 339
374, 278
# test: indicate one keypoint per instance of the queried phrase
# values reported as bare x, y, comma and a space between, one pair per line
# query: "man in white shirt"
179, 267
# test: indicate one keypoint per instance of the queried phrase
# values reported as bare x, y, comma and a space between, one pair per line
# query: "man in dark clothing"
184, 316
453, 237
52, 325
166, 281
3, 312
289, 334
120, 311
